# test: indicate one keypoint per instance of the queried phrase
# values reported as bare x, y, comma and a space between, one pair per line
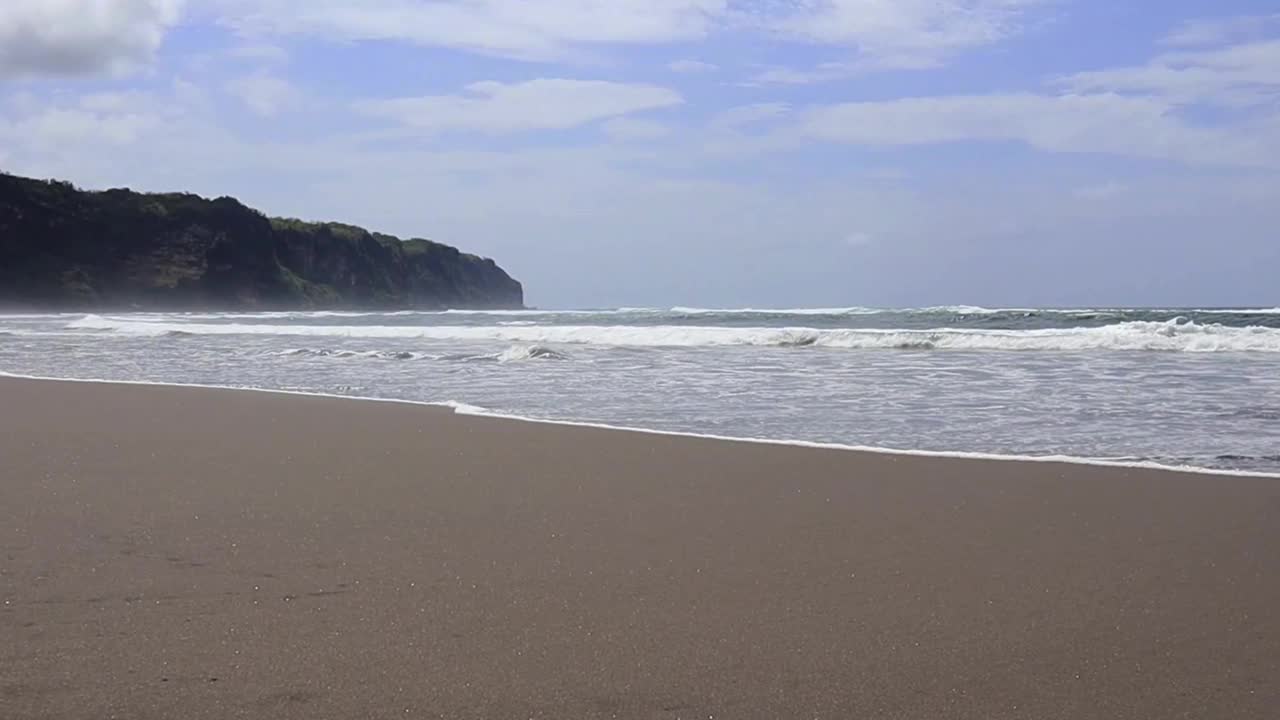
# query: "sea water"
1198, 387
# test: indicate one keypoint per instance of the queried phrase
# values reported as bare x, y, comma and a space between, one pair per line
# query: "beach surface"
190, 553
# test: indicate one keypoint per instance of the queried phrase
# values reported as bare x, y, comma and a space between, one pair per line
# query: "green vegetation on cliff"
64, 247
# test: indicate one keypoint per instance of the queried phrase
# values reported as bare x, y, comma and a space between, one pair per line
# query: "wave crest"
518, 353
1177, 335
515, 353
366, 354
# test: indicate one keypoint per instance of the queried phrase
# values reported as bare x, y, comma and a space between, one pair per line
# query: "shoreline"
199, 553
467, 410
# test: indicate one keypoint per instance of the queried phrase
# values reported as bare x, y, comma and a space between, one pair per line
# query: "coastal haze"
718, 153
1178, 387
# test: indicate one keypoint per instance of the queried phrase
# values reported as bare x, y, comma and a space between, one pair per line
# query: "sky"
720, 153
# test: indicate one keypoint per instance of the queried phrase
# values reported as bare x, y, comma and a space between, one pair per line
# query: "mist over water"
1176, 386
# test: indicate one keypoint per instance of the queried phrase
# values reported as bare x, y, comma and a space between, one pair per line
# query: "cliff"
67, 248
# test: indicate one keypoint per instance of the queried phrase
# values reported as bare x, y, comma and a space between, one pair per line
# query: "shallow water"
1175, 386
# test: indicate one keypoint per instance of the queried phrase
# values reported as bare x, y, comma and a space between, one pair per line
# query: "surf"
1176, 335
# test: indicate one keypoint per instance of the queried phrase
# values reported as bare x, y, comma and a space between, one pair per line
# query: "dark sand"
185, 553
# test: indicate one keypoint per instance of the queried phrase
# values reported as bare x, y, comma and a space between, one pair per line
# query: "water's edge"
465, 409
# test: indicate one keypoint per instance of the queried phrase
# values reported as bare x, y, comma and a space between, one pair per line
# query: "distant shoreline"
61, 246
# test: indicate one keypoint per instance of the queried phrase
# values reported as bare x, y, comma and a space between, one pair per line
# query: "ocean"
1177, 387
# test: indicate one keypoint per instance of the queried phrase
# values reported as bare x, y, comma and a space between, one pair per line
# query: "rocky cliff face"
63, 247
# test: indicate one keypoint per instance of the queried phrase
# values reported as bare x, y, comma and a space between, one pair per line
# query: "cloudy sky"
709, 152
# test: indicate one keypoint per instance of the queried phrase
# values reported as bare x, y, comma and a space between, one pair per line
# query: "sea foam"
467, 409
1176, 335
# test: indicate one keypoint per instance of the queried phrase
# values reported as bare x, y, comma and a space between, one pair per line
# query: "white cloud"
691, 66
265, 94
189, 94
1242, 74
258, 52
80, 37
107, 119
1102, 191
1101, 123
744, 115
629, 129
823, 72
116, 102
886, 34
57, 126
900, 33
542, 104
516, 28
882, 33
1216, 31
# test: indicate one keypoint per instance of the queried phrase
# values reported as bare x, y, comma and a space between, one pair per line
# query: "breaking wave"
765, 311
364, 354
518, 353
1176, 335
515, 353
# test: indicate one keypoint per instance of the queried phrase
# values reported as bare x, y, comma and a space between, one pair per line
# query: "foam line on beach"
466, 409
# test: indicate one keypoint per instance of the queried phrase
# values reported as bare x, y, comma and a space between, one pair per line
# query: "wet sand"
188, 553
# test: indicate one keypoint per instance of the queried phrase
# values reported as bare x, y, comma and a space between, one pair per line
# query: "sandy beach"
190, 553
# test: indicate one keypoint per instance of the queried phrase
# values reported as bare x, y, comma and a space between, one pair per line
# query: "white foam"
964, 310
978, 310
657, 312
515, 353
777, 311
1176, 335
360, 354
861, 310
531, 312
1243, 311
461, 408
467, 409
520, 353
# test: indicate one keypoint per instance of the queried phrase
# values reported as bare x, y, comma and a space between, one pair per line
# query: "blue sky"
700, 152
